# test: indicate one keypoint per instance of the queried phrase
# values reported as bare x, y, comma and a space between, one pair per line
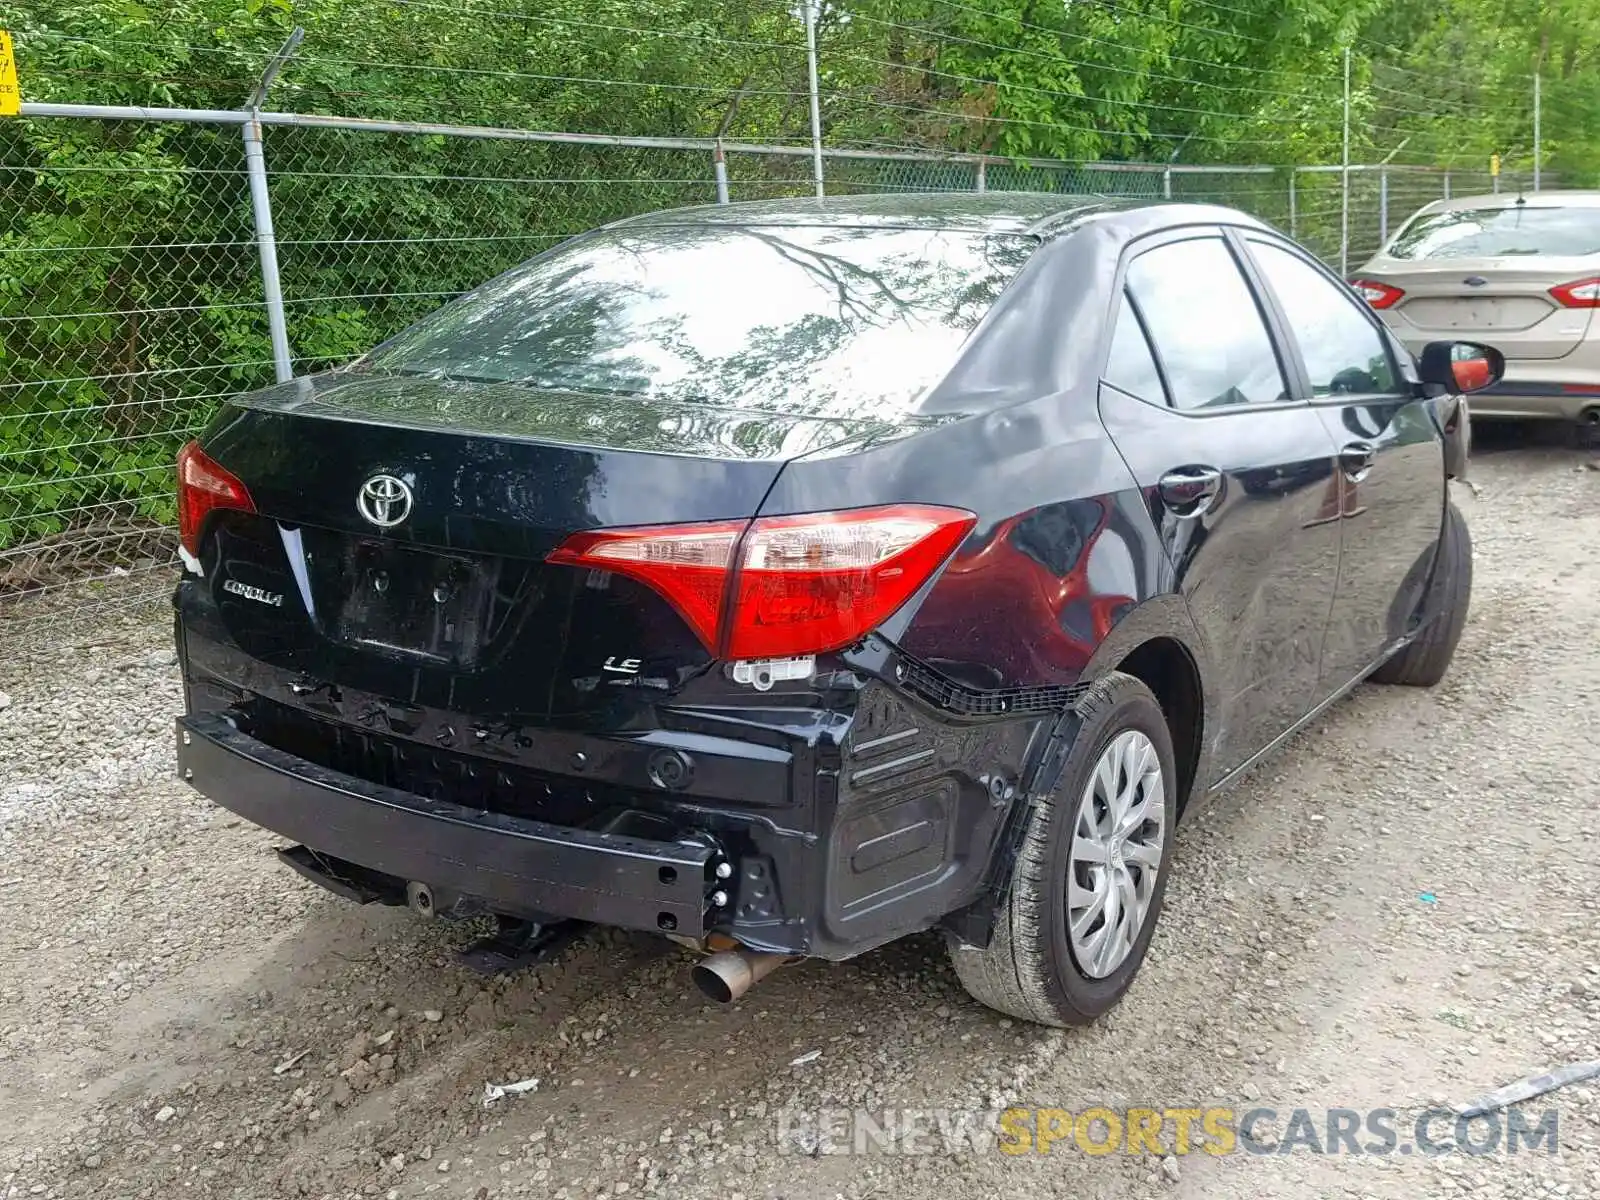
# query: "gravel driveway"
1399, 911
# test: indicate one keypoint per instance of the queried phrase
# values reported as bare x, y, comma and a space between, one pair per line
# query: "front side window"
1343, 351
1206, 325
813, 321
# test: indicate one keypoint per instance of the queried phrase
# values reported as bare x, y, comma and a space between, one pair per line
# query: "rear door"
1390, 455
1239, 475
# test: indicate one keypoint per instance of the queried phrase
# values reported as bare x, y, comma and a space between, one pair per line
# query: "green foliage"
130, 294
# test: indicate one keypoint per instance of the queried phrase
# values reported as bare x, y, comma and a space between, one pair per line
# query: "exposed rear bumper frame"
516, 864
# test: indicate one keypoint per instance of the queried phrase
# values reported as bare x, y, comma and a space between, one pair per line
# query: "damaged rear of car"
496, 620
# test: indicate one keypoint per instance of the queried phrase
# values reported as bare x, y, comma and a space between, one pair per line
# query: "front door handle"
1356, 459
1189, 491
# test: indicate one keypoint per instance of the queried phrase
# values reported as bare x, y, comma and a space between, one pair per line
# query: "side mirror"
1461, 367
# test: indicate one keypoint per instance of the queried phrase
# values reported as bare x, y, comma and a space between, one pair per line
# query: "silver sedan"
1520, 273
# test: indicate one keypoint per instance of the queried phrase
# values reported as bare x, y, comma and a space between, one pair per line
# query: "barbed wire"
1078, 97
534, 18
1145, 14
1024, 52
1395, 102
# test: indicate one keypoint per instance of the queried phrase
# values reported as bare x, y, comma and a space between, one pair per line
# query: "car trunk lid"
451, 602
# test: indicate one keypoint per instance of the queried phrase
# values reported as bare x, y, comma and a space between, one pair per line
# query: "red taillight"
688, 564
204, 487
1379, 295
824, 580
1580, 293
801, 584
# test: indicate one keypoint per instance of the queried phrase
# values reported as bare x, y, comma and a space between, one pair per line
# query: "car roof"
1038, 213
1573, 198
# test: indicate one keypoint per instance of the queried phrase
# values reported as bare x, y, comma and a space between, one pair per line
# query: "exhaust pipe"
729, 974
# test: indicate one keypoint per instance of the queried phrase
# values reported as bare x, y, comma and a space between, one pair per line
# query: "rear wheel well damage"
1167, 669
1165, 666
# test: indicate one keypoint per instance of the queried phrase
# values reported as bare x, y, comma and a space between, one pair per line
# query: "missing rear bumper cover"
516, 866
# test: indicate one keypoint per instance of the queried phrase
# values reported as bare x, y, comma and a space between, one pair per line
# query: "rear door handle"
1356, 458
1189, 491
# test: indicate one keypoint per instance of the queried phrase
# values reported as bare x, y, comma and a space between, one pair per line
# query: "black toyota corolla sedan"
789, 577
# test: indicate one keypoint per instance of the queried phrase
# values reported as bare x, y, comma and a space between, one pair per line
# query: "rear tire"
1035, 967
1424, 662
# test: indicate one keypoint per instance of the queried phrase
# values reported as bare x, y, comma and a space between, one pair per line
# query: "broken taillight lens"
800, 585
204, 488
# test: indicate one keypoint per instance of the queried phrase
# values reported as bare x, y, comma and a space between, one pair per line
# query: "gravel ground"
1399, 911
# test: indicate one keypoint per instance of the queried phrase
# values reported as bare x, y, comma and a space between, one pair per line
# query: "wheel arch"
1158, 644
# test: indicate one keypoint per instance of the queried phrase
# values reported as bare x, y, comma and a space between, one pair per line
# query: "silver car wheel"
1117, 838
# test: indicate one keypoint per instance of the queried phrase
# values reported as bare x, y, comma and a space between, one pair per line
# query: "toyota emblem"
385, 500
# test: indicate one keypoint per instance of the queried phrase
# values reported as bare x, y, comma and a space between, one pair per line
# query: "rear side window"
1343, 351
1526, 229
813, 321
1206, 325
1130, 366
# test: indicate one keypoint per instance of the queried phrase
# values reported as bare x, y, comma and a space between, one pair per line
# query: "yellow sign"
10, 92
1494, 165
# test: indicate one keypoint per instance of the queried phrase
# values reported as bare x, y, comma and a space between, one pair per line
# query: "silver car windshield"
819, 321
1527, 229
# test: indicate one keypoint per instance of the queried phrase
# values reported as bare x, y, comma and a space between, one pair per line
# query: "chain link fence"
130, 304
134, 296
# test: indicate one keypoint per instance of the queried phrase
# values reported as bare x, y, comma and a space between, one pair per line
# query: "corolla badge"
251, 592
385, 500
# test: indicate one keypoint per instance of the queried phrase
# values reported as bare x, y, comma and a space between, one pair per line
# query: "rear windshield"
810, 321
1494, 232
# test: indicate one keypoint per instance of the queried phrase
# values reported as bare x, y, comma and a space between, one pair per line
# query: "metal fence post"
1294, 210
261, 209
267, 243
1536, 131
1447, 185
1166, 184
1383, 206
816, 104
719, 167
1344, 175
981, 180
